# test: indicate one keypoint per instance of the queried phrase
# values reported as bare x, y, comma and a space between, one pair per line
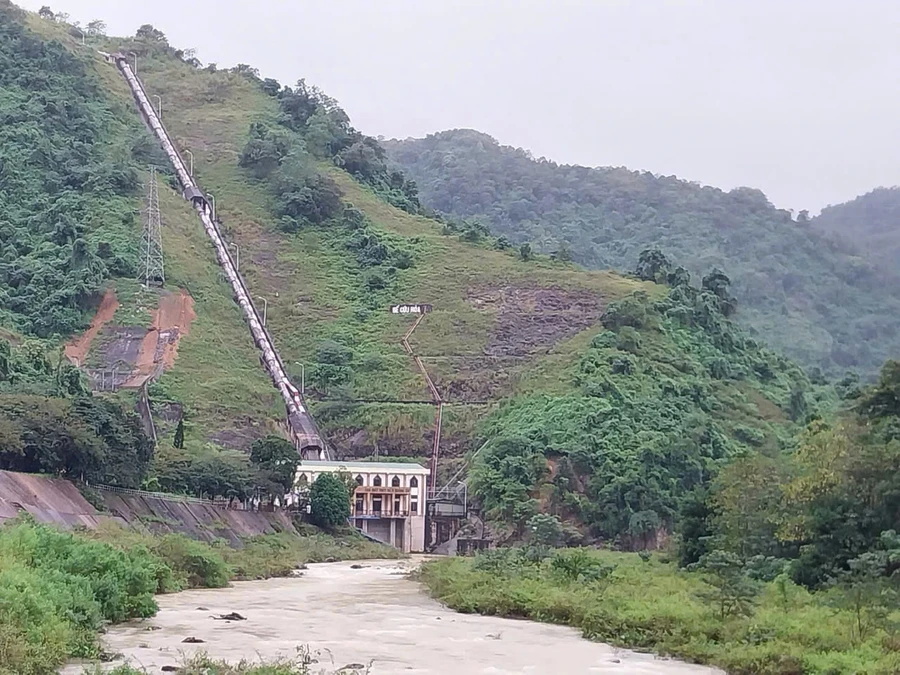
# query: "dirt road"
370, 615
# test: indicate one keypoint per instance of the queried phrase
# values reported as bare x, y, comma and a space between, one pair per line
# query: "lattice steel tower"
152, 272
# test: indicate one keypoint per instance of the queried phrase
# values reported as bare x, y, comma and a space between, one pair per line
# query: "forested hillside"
809, 296
870, 224
66, 217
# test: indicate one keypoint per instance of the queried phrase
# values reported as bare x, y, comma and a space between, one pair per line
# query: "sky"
795, 97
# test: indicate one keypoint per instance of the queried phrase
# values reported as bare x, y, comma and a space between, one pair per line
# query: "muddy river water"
373, 615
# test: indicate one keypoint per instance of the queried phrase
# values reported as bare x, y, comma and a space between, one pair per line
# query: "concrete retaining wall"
57, 501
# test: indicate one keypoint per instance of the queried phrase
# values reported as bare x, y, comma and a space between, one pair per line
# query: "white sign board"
410, 309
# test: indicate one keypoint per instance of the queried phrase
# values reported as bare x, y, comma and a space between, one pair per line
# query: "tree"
525, 252
653, 266
276, 461
869, 588
150, 34
329, 501
718, 283
545, 530
96, 28
178, 442
731, 591
46, 13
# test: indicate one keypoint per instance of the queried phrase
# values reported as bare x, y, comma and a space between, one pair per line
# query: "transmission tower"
152, 273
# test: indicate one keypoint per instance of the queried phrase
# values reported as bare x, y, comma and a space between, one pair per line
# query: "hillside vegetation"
869, 224
809, 296
606, 373
330, 252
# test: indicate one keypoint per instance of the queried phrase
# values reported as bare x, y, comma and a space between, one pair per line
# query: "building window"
303, 481
396, 504
413, 482
414, 506
359, 480
359, 505
376, 504
395, 481
377, 481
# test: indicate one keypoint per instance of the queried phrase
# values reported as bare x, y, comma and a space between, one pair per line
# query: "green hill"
870, 223
808, 296
634, 389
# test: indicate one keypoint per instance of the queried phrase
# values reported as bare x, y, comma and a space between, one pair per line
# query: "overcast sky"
796, 97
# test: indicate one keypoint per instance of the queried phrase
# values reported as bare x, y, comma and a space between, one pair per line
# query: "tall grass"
654, 606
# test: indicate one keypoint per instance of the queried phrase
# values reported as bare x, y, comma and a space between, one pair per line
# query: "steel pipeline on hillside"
303, 428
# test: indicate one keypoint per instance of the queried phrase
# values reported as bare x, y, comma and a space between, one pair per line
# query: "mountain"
808, 295
643, 385
870, 223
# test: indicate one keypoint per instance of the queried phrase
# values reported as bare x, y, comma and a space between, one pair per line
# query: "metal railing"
167, 496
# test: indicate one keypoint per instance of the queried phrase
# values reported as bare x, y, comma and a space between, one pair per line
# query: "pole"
213, 199
237, 259
265, 308
191, 154
81, 32
135, 61
302, 377
158, 105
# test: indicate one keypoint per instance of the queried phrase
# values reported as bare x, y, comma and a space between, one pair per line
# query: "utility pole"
158, 105
152, 270
265, 308
192, 161
135, 62
237, 258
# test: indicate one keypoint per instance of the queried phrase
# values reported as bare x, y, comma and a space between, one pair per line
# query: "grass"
310, 281
654, 606
304, 663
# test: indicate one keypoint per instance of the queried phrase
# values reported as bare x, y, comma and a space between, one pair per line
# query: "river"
373, 615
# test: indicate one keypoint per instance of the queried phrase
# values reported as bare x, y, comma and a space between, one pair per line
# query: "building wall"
399, 519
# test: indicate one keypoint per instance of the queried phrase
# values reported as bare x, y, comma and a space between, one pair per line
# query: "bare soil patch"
532, 320
129, 355
529, 322
170, 321
77, 350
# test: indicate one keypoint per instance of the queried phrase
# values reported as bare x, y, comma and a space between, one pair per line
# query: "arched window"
377, 481
395, 481
413, 482
303, 480
359, 480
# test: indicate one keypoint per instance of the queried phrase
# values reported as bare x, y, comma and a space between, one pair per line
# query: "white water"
370, 615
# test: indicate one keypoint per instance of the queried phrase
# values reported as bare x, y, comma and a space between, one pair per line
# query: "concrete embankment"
57, 501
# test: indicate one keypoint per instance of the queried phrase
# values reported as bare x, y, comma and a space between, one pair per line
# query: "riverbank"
57, 589
647, 604
367, 613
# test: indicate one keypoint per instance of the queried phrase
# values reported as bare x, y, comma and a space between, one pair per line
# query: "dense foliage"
66, 172
56, 590
868, 224
811, 298
716, 615
830, 506
49, 422
664, 396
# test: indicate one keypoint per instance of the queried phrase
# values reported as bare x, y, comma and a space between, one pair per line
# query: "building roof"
368, 466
